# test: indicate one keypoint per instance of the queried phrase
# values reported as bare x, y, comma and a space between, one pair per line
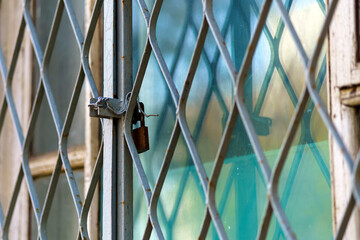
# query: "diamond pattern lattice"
62, 128
239, 109
271, 176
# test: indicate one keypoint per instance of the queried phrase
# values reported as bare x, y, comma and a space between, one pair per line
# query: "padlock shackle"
142, 120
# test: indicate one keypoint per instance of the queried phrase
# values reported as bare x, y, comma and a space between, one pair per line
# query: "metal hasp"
350, 96
103, 107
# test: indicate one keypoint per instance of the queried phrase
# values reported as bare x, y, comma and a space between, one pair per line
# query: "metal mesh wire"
314, 81
211, 61
62, 128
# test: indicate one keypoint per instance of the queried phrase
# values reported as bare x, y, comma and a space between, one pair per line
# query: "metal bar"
86, 49
181, 110
161, 179
64, 134
26, 149
220, 157
64, 139
44, 86
176, 132
284, 150
3, 109
312, 86
74, 24
10, 210
43, 62
128, 118
198, 126
90, 193
3, 68
232, 120
8, 81
92, 231
208, 10
286, 18
299, 111
239, 90
127, 133
157, 52
10, 102
53, 33
290, 181
42, 227
350, 206
124, 86
173, 67
109, 170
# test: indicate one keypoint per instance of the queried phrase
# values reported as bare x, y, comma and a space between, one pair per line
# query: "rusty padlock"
141, 134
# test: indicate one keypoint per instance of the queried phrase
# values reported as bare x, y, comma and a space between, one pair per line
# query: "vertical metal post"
109, 167
124, 86
117, 170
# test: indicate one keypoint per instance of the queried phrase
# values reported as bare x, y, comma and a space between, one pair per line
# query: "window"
272, 90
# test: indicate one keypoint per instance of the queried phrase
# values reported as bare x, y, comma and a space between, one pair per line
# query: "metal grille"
189, 26
62, 128
239, 110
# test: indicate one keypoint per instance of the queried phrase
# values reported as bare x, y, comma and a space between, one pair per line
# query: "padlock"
141, 136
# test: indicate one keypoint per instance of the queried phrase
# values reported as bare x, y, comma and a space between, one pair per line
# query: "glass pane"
274, 83
63, 221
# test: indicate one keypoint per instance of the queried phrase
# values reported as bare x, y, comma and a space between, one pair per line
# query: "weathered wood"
344, 72
43, 165
92, 125
10, 150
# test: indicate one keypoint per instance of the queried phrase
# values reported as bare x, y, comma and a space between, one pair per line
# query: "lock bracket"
103, 107
350, 96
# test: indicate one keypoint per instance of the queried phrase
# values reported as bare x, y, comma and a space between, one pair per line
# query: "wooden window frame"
344, 98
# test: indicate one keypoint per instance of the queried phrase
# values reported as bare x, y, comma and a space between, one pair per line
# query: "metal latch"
350, 95
103, 107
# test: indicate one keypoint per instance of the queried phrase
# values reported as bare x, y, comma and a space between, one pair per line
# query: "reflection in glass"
274, 84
